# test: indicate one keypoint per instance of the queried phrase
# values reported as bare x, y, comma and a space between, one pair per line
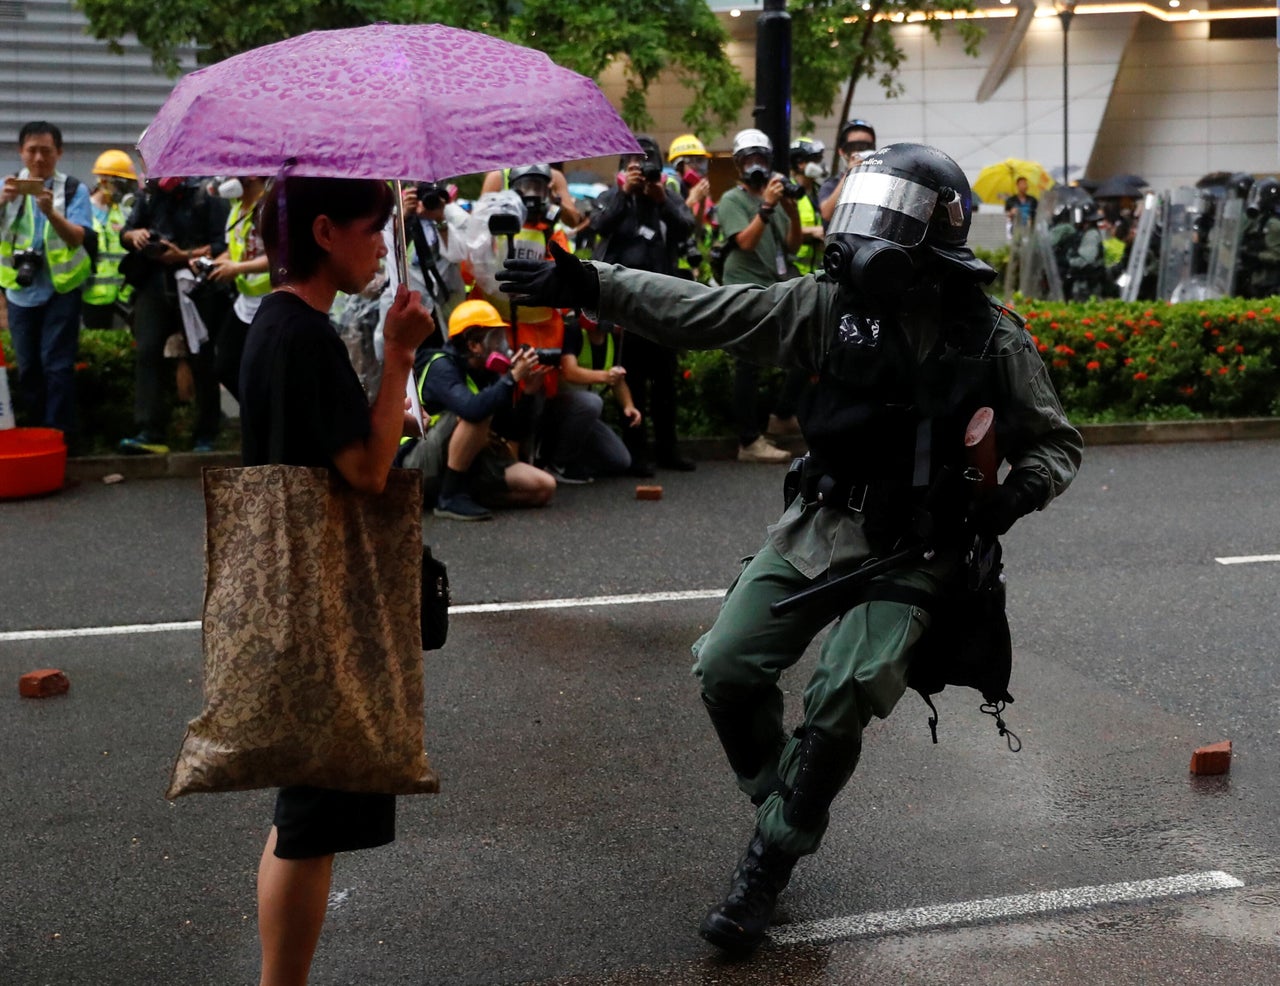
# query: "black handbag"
435, 601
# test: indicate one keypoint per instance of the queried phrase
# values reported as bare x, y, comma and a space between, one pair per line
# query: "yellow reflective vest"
106, 284
69, 267
239, 229
809, 256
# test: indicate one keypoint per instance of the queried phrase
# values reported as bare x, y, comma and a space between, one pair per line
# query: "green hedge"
104, 392
1109, 360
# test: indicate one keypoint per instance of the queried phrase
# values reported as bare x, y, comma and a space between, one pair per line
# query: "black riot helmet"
1239, 184
1264, 198
901, 204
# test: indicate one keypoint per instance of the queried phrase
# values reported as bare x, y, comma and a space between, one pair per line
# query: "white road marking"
1246, 559
1020, 905
511, 607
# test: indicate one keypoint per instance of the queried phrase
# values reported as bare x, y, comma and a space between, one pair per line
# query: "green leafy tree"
842, 42
681, 36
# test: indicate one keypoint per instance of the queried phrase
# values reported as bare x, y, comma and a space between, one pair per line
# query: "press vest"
69, 267
106, 284
239, 228
809, 256
585, 357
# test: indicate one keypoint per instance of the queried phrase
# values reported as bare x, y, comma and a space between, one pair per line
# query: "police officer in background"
641, 224
1259, 275
906, 346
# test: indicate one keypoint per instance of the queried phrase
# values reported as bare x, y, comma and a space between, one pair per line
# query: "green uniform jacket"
793, 324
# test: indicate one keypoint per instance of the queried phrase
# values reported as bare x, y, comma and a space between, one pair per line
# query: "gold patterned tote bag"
312, 640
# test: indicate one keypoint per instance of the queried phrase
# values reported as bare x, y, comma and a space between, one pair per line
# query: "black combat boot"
740, 922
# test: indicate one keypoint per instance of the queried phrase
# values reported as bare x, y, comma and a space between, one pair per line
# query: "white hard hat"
752, 140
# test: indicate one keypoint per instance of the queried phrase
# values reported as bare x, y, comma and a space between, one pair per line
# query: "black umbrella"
1121, 187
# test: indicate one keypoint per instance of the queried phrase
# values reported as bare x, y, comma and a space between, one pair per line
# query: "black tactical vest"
877, 415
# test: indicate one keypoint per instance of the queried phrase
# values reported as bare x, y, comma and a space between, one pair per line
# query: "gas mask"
876, 230
497, 350
815, 170
538, 204
232, 188
756, 176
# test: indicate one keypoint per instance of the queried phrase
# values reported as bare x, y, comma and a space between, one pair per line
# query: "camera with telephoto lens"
793, 190
651, 171
431, 194
547, 357
27, 265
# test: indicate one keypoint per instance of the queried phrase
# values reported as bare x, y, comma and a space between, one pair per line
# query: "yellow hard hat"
115, 164
686, 145
474, 314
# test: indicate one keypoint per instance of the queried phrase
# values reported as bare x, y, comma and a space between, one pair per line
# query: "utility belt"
873, 498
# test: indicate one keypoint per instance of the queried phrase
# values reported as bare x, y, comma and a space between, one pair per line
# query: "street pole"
1066, 11
773, 80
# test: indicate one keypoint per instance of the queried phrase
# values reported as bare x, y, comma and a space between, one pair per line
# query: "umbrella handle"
400, 240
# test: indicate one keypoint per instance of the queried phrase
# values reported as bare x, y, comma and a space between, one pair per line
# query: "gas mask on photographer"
753, 154
816, 170
756, 176
533, 184
904, 206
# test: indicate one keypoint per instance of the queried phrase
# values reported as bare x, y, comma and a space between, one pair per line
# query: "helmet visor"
884, 206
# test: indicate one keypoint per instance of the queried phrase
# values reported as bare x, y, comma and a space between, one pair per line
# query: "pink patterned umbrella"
418, 101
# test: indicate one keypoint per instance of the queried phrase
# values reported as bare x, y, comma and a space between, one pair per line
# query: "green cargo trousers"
861, 672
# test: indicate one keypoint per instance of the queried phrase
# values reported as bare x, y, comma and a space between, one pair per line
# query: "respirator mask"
880, 221
816, 170
756, 176
232, 188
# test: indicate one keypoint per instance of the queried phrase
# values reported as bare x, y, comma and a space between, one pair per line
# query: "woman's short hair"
295, 255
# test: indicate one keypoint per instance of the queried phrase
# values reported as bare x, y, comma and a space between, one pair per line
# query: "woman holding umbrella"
295, 365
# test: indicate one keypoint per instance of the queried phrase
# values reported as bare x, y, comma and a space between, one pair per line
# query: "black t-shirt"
295, 362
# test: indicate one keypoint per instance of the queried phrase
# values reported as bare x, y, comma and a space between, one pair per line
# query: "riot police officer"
905, 345
1260, 244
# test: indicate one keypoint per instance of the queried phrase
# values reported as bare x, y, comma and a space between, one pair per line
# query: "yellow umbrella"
996, 182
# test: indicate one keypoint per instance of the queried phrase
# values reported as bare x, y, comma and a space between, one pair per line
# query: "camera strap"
427, 262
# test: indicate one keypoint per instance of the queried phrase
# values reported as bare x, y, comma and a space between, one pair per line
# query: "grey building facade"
52, 69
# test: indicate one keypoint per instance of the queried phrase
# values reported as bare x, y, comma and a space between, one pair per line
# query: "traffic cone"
7, 419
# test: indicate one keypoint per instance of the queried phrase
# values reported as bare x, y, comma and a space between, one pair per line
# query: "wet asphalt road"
587, 820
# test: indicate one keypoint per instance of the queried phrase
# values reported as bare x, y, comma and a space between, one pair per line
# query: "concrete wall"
1184, 105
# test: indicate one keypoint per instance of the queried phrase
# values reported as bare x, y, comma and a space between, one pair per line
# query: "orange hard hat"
474, 314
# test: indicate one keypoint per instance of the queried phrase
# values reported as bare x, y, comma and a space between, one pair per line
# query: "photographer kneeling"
467, 388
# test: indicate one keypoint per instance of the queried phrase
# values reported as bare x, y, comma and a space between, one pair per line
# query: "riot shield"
1145, 243
1041, 274
1224, 245
1187, 216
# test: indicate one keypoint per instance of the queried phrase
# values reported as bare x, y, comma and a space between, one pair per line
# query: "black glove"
997, 509
566, 283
